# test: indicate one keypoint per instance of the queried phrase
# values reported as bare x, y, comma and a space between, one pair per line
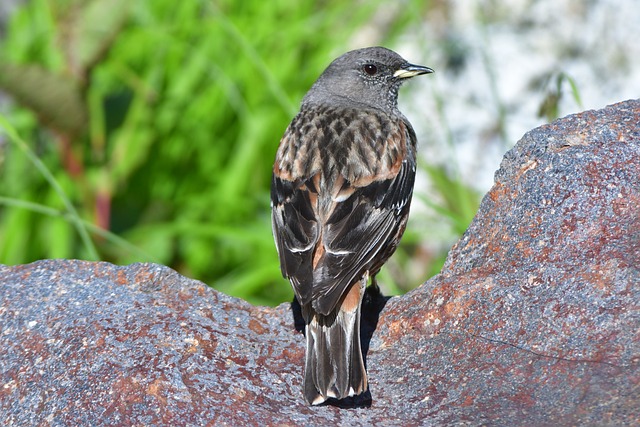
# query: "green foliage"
146, 130
452, 205
550, 106
459, 202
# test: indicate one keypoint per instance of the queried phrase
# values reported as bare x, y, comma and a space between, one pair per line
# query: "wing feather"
338, 218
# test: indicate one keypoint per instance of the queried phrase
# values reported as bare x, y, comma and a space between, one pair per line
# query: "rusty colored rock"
534, 319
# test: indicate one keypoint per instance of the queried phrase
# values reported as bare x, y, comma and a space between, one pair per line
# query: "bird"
341, 190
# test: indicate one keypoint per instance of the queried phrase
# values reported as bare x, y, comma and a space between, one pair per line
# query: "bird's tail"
334, 367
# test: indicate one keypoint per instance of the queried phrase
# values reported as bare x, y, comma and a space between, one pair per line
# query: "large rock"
534, 319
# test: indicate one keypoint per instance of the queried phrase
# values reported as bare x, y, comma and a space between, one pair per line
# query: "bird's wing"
362, 233
296, 232
330, 230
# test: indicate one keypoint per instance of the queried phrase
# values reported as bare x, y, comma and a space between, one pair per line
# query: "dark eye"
370, 69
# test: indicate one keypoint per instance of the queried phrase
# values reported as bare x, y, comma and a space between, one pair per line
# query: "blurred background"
145, 131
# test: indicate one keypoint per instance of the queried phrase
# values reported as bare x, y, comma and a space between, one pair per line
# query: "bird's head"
369, 77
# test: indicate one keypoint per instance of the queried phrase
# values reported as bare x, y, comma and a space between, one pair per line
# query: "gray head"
368, 77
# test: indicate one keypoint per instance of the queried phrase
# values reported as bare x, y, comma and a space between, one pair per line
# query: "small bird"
340, 195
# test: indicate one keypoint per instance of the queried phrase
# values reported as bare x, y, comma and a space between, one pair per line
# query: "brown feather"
347, 165
352, 299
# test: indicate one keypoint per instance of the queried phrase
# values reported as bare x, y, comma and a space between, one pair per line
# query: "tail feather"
334, 366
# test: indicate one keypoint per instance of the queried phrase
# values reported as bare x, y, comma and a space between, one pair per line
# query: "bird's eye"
370, 69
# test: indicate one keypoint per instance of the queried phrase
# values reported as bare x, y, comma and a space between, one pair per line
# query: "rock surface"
534, 319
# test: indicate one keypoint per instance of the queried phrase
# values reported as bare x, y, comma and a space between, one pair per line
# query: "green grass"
146, 131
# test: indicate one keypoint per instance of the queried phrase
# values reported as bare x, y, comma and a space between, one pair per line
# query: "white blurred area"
496, 62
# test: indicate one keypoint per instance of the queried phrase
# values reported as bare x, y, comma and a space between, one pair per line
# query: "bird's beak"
411, 70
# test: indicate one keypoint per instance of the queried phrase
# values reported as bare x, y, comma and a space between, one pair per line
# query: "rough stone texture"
534, 319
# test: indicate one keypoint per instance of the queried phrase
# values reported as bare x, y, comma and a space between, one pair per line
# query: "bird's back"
339, 164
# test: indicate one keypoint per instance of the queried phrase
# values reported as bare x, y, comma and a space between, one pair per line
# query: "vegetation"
145, 131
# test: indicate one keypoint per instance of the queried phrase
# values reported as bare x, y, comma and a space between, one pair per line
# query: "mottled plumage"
341, 189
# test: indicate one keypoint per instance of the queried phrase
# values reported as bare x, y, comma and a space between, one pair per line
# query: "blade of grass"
106, 234
251, 53
42, 168
574, 88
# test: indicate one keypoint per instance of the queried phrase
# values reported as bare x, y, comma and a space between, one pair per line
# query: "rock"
535, 317
533, 320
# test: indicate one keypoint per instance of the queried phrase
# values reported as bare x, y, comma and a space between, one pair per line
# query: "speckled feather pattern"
350, 174
340, 194
360, 145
